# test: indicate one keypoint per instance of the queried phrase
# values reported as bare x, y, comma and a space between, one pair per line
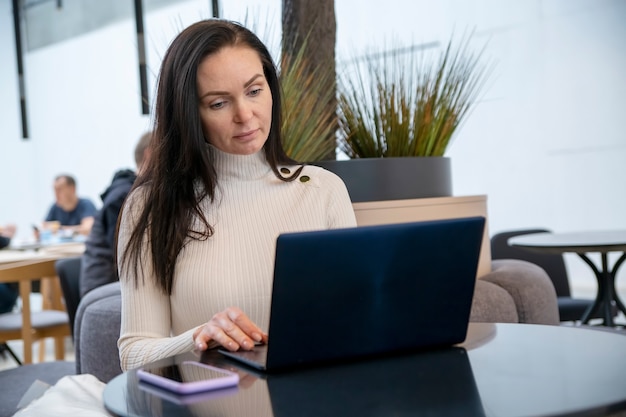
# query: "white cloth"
71, 396
234, 267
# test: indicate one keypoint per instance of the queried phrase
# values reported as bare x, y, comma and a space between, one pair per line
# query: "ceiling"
45, 22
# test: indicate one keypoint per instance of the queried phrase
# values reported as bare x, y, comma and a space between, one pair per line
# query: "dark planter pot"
378, 179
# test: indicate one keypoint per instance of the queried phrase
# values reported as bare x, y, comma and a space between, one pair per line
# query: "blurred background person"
97, 266
6, 234
69, 212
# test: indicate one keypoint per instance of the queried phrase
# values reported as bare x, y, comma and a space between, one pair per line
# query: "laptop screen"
355, 292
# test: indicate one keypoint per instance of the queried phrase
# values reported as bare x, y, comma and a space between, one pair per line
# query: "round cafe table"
501, 370
584, 243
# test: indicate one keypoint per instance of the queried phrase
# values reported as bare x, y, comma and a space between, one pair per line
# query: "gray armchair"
513, 292
96, 330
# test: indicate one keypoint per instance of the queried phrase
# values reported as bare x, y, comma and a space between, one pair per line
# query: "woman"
198, 232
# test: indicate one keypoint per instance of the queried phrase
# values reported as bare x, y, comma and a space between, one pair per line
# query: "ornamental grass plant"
403, 104
309, 119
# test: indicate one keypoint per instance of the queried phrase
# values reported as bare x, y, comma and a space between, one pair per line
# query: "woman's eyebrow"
224, 93
254, 77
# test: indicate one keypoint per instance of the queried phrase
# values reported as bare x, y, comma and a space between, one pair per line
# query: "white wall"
546, 144
84, 111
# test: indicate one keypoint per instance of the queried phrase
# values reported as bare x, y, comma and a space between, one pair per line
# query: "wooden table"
583, 243
24, 267
29, 250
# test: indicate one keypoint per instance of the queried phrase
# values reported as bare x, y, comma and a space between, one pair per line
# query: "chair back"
553, 264
68, 270
96, 331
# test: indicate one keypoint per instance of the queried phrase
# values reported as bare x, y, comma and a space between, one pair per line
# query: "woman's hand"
231, 329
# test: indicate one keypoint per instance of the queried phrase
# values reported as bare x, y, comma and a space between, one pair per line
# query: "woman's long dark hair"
180, 160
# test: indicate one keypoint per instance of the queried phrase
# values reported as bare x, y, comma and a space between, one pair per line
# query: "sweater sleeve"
339, 206
50, 216
145, 334
341, 212
110, 213
87, 208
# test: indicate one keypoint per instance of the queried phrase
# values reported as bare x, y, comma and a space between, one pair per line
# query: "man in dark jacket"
97, 264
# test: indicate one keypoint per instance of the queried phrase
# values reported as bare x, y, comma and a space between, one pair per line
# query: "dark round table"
583, 243
501, 370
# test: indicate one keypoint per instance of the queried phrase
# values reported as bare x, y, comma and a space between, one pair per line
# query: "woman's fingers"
231, 329
242, 322
228, 334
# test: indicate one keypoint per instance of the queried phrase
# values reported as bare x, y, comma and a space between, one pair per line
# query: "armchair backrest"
553, 264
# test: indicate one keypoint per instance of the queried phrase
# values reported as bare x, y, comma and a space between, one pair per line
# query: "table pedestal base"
607, 298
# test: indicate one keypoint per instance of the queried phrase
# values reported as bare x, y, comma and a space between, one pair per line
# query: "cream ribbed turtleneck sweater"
234, 267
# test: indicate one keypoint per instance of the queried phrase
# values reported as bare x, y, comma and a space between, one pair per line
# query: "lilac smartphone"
186, 399
188, 377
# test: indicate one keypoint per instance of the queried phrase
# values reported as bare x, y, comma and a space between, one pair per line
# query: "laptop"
346, 294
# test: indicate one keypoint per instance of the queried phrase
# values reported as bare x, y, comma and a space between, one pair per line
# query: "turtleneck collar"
231, 167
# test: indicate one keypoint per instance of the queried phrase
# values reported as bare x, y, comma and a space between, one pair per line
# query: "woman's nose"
243, 112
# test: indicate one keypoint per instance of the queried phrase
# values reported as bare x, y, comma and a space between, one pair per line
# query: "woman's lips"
246, 135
